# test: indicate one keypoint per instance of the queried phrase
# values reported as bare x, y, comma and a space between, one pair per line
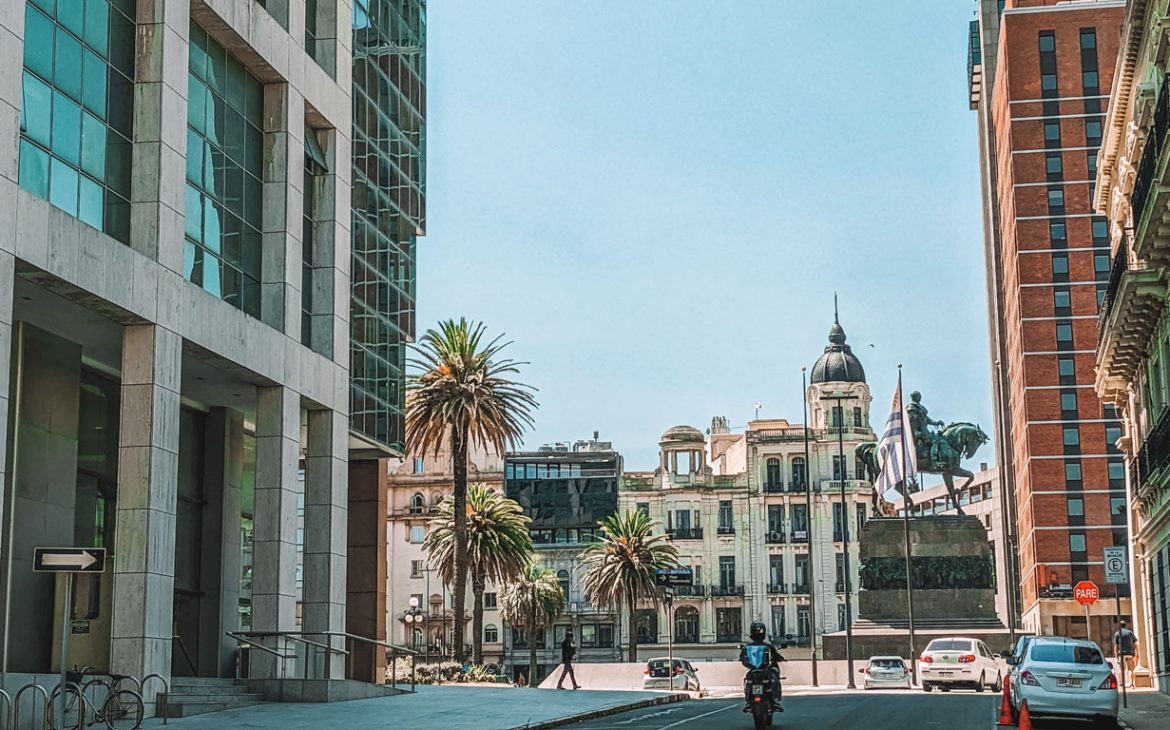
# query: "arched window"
799, 475
686, 625
491, 634
772, 478
417, 502
563, 579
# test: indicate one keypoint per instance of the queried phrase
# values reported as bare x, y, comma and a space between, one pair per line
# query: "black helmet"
758, 631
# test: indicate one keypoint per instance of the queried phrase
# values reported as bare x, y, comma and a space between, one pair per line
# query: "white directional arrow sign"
69, 560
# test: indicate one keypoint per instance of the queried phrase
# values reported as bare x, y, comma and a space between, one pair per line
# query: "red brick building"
1040, 81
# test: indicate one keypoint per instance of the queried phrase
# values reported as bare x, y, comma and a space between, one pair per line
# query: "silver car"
886, 672
657, 675
1063, 677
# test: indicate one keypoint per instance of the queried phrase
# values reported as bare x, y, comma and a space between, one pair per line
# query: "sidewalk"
1148, 709
482, 708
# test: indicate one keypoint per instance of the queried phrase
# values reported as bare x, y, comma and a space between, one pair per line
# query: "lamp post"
413, 618
812, 595
837, 398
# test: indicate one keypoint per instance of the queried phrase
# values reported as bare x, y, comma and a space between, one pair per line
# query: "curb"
603, 712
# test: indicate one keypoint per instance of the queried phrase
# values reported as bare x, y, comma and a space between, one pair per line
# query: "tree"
498, 547
620, 567
459, 393
532, 601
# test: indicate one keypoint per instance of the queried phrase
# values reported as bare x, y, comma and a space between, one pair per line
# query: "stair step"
234, 689
184, 699
187, 709
202, 681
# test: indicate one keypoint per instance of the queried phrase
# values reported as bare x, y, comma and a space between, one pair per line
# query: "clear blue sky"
657, 200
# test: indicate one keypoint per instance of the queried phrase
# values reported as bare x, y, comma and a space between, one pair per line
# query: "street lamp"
839, 412
413, 618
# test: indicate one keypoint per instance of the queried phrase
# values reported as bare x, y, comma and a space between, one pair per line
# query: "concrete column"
219, 609
366, 584
11, 59
325, 529
284, 161
160, 132
148, 469
274, 551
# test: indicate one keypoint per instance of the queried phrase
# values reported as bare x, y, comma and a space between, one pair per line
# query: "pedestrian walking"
568, 651
1125, 649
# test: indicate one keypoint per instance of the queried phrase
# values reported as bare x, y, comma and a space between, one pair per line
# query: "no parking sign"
1116, 566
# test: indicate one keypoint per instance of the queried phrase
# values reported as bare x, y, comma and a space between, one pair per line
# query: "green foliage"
498, 541
533, 600
445, 672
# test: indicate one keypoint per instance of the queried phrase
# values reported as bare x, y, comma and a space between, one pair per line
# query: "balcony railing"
839, 587
1155, 141
727, 590
837, 536
686, 639
685, 533
726, 530
800, 589
797, 487
775, 588
774, 487
1155, 451
775, 537
690, 591
1120, 266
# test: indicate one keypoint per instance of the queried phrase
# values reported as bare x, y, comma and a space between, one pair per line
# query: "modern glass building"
206, 284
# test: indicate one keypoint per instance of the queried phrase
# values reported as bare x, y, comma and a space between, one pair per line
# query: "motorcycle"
760, 694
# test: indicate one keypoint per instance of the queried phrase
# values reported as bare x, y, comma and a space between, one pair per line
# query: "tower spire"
836, 319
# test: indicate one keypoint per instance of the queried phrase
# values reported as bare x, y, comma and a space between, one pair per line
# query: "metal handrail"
15, 715
7, 716
241, 639
166, 695
299, 637
394, 649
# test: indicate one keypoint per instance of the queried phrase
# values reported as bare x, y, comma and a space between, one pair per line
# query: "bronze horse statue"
957, 441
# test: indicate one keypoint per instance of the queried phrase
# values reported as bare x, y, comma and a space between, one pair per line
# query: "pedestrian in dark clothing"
1125, 649
568, 651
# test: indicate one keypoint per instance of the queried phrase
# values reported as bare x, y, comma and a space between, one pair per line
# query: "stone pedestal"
954, 587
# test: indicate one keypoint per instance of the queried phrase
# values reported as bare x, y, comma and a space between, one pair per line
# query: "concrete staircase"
199, 695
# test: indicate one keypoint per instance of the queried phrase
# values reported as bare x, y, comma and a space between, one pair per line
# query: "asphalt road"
842, 710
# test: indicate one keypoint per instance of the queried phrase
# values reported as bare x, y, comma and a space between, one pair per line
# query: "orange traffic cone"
1005, 706
1025, 718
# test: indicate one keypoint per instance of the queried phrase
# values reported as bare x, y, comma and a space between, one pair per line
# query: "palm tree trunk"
459, 457
477, 588
633, 628
532, 641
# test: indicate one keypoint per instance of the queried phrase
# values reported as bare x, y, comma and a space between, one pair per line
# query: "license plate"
1067, 682
757, 689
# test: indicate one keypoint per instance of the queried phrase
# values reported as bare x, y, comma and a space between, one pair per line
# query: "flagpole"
907, 505
812, 602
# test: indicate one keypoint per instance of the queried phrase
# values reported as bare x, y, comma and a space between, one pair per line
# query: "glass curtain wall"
225, 170
389, 181
77, 109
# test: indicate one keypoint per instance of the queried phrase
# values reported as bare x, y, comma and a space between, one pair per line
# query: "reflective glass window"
225, 153
77, 110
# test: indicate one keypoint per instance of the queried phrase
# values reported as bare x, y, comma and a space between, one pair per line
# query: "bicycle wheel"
74, 709
123, 710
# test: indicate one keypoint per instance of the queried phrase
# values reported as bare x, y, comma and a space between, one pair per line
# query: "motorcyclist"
760, 653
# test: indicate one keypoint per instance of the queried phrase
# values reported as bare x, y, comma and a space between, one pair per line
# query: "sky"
655, 201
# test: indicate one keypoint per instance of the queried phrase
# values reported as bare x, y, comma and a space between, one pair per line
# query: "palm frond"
533, 600
499, 545
623, 563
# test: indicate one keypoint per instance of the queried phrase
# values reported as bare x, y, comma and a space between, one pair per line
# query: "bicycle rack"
7, 705
166, 701
81, 711
15, 714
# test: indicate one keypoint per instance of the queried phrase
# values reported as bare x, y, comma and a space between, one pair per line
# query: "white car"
886, 672
1064, 677
959, 662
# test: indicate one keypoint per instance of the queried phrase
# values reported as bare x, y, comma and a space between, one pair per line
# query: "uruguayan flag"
889, 451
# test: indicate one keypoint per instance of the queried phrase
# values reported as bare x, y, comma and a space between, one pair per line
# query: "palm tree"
498, 547
532, 601
459, 394
620, 567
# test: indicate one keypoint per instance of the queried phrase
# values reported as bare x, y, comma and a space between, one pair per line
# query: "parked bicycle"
121, 709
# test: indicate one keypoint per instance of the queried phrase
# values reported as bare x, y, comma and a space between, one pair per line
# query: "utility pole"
812, 601
840, 411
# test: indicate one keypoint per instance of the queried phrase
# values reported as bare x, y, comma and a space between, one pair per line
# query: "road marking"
656, 713
697, 717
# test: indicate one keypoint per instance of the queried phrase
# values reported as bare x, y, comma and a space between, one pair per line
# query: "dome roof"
838, 364
683, 434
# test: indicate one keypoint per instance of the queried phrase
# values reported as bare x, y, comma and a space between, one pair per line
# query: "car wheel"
1105, 722
945, 687
927, 686
998, 687
981, 684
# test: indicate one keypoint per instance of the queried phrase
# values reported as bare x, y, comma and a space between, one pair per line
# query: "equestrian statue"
939, 449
